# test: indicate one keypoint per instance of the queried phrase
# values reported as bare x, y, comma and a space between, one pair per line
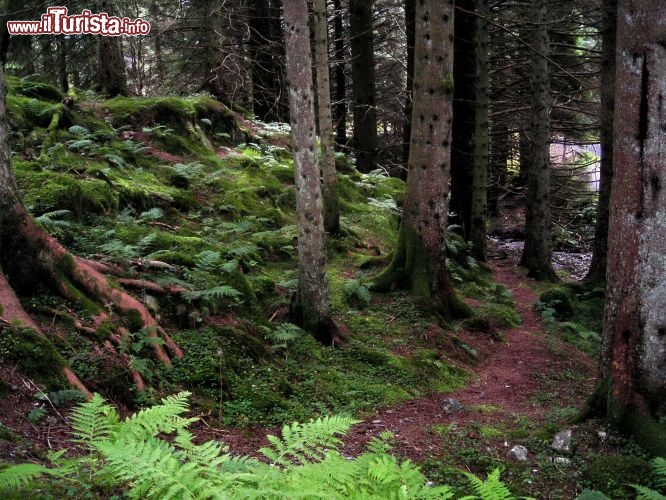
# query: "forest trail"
528, 375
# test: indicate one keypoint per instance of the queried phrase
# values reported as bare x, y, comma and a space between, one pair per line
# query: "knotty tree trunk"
363, 82
311, 308
329, 183
419, 261
111, 78
29, 255
536, 254
634, 349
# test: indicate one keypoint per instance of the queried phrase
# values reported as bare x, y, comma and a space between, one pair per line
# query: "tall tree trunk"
363, 82
311, 308
419, 261
340, 107
329, 183
111, 78
462, 153
634, 349
536, 254
597, 271
499, 156
410, 23
62, 64
480, 166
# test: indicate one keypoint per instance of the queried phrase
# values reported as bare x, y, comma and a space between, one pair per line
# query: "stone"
562, 441
518, 453
602, 435
452, 405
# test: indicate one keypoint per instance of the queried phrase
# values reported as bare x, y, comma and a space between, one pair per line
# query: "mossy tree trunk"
597, 271
479, 213
363, 83
419, 261
536, 254
634, 348
311, 307
329, 182
28, 255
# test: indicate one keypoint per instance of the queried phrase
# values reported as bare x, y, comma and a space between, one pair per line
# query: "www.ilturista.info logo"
57, 22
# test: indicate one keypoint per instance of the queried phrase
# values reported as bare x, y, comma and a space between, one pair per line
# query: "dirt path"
520, 377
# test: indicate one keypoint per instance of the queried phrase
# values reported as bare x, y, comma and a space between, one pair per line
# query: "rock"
376, 421
562, 441
151, 303
518, 453
452, 405
602, 435
562, 460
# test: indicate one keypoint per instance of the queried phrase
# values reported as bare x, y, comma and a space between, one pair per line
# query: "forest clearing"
345, 249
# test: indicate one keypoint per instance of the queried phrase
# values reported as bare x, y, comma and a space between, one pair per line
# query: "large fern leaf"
93, 421
162, 418
304, 443
659, 467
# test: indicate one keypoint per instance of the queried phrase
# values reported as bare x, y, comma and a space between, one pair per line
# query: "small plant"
356, 294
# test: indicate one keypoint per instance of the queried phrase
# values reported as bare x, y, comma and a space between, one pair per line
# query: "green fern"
305, 443
490, 489
217, 292
659, 466
645, 493
16, 476
164, 418
93, 421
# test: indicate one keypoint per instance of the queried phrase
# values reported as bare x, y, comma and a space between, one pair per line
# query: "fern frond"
217, 292
490, 489
645, 493
93, 421
163, 418
304, 443
153, 469
15, 476
659, 467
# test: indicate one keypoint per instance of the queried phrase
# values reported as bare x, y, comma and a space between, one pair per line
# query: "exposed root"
150, 286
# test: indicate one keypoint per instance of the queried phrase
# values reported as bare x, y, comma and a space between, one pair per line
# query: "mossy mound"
33, 89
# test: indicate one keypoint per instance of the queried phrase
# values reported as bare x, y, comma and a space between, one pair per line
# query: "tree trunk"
410, 29
311, 307
111, 78
329, 182
597, 271
462, 153
480, 166
340, 108
634, 350
536, 254
419, 261
499, 156
28, 255
363, 81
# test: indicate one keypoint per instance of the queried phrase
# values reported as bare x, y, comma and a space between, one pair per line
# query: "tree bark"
536, 254
479, 212
634, 349
419, 261
340, 108
410, 30
311, 308
597, 271
363, 82
329, 182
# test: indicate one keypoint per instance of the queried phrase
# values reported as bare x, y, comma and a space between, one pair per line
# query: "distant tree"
633, 381
419, 259
311, 307
340, 104
479, 202
363, 82
537, 251
329, 182
111, 78
597, 271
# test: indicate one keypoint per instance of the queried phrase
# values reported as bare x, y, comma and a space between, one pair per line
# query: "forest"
359, 249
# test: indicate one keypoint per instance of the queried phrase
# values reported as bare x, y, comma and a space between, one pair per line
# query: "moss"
133, 320
105, 330
561, 300
500, 316
34, 355
175, 257
614, 474
35, 89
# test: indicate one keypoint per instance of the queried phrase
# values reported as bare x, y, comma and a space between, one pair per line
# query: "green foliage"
152, 455
490, 489
356, 294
